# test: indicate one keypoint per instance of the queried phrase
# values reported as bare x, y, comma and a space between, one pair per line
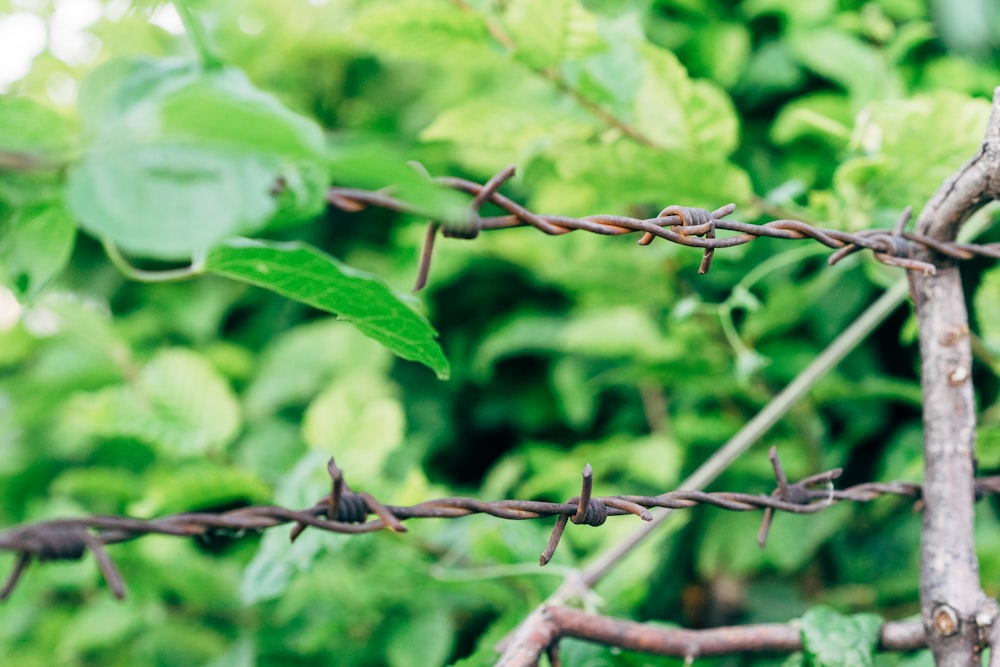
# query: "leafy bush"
206, 157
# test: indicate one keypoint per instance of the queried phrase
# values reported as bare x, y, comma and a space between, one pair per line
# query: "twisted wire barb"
694, 227
344, 511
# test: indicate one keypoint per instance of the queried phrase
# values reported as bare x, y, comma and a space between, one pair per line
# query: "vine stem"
195, 30
131, 272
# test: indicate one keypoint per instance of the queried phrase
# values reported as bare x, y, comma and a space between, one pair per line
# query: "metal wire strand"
689, 226
347, 512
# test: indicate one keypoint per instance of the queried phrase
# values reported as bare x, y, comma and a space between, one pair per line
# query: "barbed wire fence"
942, 626
344, 511
348, 512
687, 226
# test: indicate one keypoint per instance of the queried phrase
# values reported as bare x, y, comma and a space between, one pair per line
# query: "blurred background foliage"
123, 397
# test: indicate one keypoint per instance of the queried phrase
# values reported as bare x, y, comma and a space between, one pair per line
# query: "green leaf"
791, 543
34, 142
277, 559
804, 13
178, 403
171, 201
614, 177
182, 158
986, 303
576, 392
830, 639
822, 116
423, 29
847, 60
517, 132
723, 49
99, 489
622, 332
365, 162
547, 32
35, 245
610, 78
198, 487
771, 73
890, 170
359, 420
104, 624
149, 99
679, 114
296, 366
425, 639
301, 272
32, 129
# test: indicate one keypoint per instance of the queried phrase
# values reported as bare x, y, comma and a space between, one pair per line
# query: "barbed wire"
347, 512
688, 226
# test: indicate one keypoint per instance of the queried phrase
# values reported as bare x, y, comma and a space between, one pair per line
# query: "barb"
344, 511
694, 227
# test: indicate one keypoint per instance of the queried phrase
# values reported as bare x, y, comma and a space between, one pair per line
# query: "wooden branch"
548, 624
952, 601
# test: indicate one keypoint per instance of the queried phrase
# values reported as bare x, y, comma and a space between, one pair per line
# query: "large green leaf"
426, 639
31, 128
680, 114
821, 116
301, 272
517, 133
171, 201
34, 142
791, 543
35, 245
181, 158
613, 177
889, 170
830, 639
849, 61
423, 29
178, 403
360, 420
295, 366
143, 98
547, 32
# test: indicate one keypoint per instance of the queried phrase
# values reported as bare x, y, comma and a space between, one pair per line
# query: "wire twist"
348, 512
688, 226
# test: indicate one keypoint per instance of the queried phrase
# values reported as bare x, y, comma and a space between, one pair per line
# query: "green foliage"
123, 390
829, 638
308, 275
177, 403
181, 158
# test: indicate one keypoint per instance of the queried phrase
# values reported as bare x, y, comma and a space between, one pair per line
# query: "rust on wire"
694, 227
348, 512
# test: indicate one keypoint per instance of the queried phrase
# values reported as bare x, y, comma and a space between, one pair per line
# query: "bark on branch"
543, 629
953, 607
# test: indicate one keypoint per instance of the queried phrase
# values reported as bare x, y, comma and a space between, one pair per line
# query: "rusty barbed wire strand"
693, 227
344, 511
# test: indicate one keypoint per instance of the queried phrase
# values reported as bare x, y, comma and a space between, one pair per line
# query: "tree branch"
951, 597
548, 624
